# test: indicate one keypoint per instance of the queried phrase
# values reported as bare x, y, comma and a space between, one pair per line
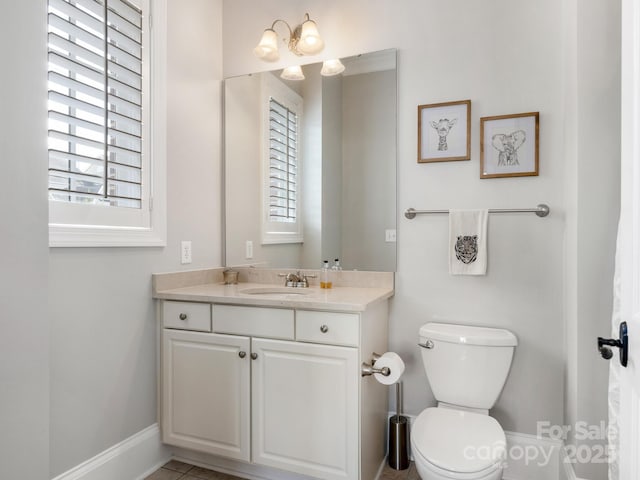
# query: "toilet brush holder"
398, 437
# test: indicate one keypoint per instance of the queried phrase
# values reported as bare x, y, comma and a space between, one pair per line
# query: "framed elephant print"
444, 132
509, 145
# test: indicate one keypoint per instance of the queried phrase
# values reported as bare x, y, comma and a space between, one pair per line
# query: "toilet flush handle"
428, 344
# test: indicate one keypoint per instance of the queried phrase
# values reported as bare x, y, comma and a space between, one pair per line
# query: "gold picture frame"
509, 145
442, 136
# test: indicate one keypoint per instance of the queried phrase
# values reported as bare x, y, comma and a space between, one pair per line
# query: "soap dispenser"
325, 278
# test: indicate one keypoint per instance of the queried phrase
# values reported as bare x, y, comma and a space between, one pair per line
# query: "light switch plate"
390, 235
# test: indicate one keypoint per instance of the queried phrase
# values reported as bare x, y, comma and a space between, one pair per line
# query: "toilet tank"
466, 366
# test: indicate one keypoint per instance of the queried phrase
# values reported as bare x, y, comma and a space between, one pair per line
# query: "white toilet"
467, 368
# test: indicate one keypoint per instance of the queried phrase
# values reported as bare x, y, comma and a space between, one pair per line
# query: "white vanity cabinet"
205, 392
276, 387
305, 408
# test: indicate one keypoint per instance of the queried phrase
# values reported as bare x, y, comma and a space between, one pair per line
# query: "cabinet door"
305, 408
205, 392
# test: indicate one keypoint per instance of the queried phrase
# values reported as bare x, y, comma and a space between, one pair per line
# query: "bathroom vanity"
271, 376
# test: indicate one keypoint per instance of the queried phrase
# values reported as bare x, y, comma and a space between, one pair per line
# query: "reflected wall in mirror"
310, 167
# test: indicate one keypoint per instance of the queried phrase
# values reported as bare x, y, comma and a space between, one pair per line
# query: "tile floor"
175, 470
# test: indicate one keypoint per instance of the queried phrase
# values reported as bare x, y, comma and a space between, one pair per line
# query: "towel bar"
542, 210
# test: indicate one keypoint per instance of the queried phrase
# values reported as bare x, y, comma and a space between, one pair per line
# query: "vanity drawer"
186, 315
253, 321
328, 327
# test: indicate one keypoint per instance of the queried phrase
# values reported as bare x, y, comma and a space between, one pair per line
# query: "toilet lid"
458, 441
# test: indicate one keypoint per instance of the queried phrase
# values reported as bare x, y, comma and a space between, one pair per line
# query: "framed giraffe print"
444, 132
509, 145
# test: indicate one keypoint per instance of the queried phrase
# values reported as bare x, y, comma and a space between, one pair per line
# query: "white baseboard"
529, 458
133, 458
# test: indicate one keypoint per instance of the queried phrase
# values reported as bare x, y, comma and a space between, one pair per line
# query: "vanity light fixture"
292, 73
332, 67
303, 40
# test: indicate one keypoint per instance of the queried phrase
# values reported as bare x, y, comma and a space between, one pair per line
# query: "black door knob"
622, 343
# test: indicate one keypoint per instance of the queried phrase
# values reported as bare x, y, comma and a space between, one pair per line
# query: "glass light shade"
332, 67
292, 73
267, 49
310, 42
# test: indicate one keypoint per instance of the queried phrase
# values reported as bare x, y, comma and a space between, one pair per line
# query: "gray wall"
24, 341
103, 324
593, 178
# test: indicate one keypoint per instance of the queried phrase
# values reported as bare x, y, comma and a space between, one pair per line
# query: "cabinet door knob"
254, 356
324, 329
242, 354
182, 316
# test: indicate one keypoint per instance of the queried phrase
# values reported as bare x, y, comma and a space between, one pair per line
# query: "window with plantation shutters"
282, 163
99, 124
95, 102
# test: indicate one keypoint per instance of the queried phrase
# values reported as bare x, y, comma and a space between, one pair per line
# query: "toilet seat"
458, 444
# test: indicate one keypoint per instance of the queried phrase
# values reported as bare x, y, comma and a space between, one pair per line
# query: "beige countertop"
352, 291
350, 299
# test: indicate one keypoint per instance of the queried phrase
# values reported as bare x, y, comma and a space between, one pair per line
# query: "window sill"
94, 236
278, 238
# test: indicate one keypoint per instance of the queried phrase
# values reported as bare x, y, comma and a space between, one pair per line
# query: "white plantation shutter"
95, 102
283, 163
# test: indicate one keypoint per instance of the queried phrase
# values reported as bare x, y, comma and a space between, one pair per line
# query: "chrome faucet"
292, 280
296, 280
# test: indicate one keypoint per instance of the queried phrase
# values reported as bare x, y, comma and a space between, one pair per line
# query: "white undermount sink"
275, 291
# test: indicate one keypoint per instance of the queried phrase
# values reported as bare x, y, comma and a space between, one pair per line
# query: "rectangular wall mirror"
310, 167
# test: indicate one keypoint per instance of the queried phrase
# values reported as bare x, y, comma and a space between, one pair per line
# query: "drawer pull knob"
242, 354
254, 356
324, 329
183, 316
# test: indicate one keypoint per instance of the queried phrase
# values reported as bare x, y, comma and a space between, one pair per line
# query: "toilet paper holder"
370, 369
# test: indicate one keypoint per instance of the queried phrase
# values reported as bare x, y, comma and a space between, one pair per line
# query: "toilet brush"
398, 434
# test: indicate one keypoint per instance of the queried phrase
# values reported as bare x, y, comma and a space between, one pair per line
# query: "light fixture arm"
273, 26
306, 18
294, 34
304, 39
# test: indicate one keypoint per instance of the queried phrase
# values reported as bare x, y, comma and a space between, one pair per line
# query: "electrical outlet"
390, 235
185, 252
248, 250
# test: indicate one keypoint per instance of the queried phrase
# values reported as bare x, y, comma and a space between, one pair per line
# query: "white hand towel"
468, 242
